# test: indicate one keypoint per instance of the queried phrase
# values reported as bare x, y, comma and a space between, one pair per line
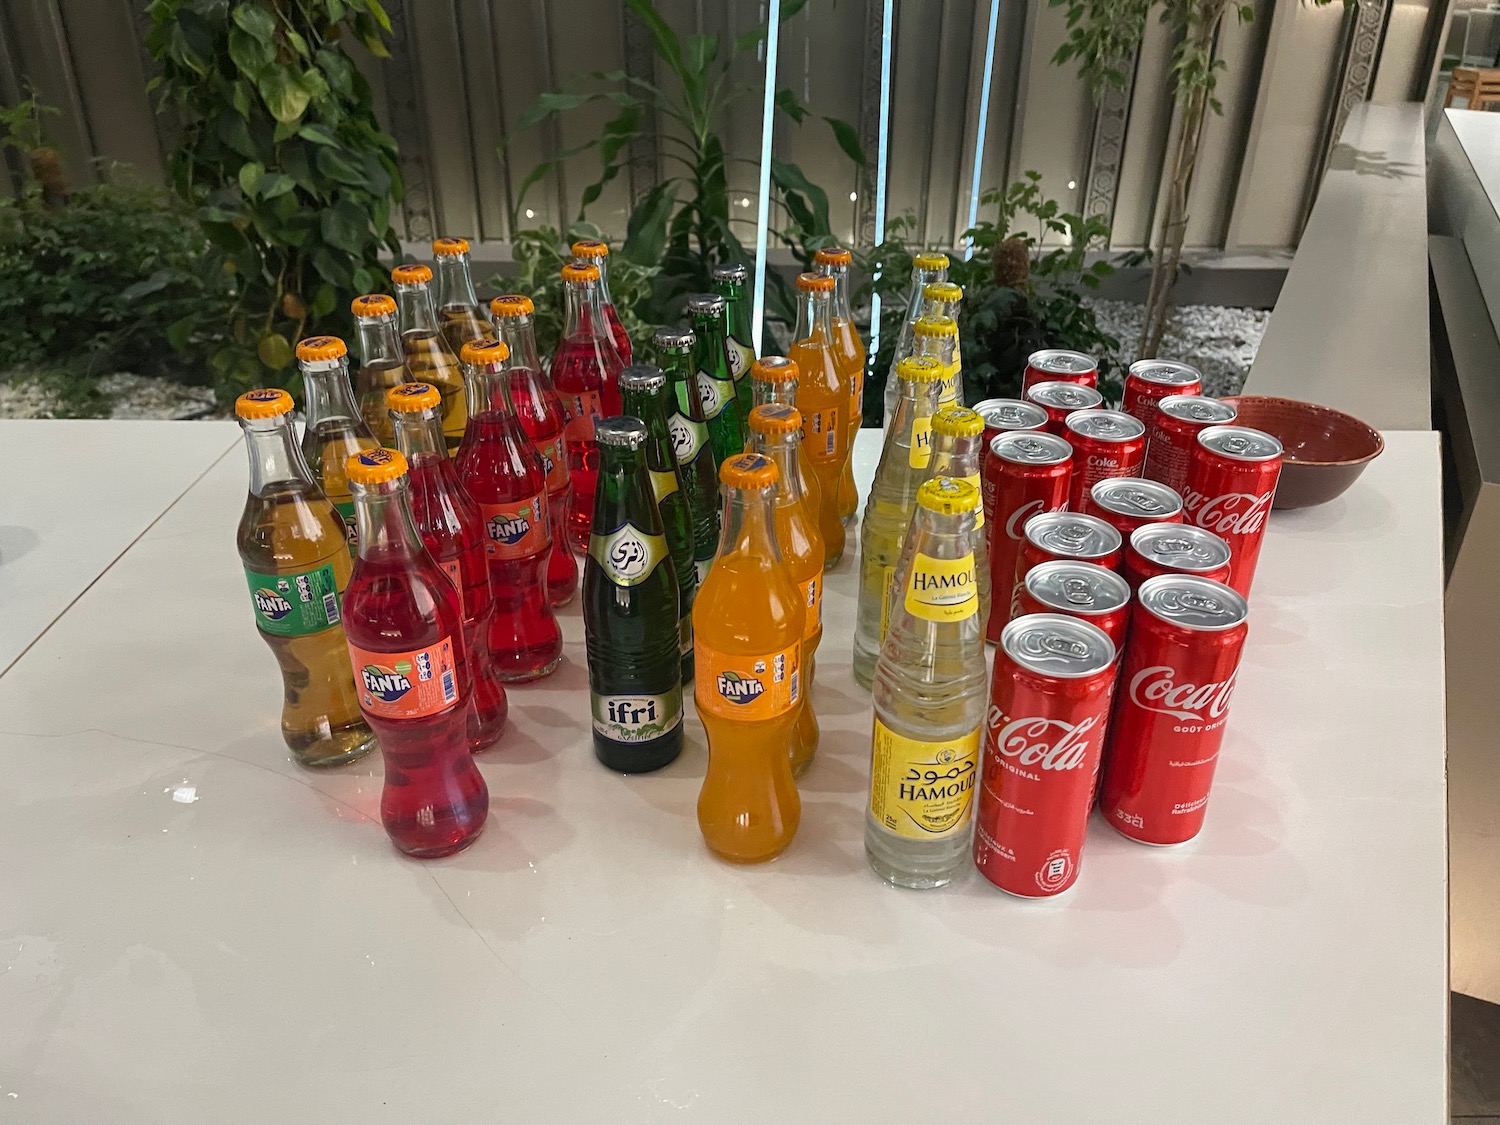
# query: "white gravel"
129, 396
1219, 341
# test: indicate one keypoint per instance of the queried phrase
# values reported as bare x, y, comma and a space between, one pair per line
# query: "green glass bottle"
730, 283
690, 443
643, 393
630, 611
721, 409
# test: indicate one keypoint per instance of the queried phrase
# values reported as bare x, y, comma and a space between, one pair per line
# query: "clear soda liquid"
429, 360
371, 382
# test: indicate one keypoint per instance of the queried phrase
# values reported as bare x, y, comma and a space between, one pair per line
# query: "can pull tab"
1235, 445
1075, 591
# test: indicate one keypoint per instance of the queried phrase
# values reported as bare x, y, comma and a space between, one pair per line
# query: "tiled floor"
1474, 1063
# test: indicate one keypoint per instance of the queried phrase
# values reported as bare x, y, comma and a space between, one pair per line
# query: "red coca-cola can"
1174, 432
1126, 503
1150, 380
1001, 416
1174, 548
1078, 589
1231, 484
1186, 635
1061, 535
1106, 443
1061, 399
1043, 736
1026, 474
1057, 365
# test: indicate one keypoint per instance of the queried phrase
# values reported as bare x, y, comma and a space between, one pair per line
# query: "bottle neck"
417, 311
648, 406
780, 393
275, 456
917, 400
382, 513
840, 275
940, 536
328, 394
782, 449
956, 457
678, 367
618, 466
519, 335
604, 297
709, 329
748, 525
488, 386
454, 282
378, 342
939, 347
920, 280
585, 315
813, 318
419, 435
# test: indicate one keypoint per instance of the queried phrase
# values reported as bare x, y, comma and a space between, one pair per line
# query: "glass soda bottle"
405, 629
459, 312
773, 381
721, 409
888, 510
334, 428
690, 444
382, 365
749, 622
835, 261
449, 524
957, 439
929, 696
630, 611
429, 359
585, 371
643, 390
775, 432
295, 552
502, 470
937, 336
926, 269
823, 397
596, 254
729, 281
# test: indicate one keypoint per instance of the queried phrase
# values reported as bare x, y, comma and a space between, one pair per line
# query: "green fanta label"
636, 718
294, 605
346, 510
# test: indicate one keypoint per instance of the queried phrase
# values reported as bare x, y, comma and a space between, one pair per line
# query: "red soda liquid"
540, 413
617, 333
585, 371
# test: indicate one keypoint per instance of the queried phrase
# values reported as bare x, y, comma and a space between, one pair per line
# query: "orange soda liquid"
823, 397
851, 353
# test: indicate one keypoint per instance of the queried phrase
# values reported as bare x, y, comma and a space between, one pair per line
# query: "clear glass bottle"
957, 440
937, 336
382, 363
334, 429
429, 359
459, 311
690, 443
926, 269
929, 695
716, 389
835, 262
596, 254
729, 281
823, 397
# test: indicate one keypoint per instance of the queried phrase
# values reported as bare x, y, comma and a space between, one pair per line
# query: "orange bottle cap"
265, 402
778, 418
930, 261
590, 248
511, 304
748, 470
947, 496
945, 291
372, 305
815, 283
320, 349
580, 272
411, 273
833, 256
375, 466
411, 397
449, 247
775, 369
484, 352
935, 326
920, 369
957, 421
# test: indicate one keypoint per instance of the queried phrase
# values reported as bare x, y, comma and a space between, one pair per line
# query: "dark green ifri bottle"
690, 444
643, 393
630, 611
721, 409
730, 283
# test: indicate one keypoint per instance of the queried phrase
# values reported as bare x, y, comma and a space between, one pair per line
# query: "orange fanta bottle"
835, 261
749, 624
823, 398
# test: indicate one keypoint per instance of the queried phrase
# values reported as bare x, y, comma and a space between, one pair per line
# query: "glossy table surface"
194, 929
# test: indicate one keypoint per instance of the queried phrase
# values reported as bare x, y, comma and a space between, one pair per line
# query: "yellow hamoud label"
942, 590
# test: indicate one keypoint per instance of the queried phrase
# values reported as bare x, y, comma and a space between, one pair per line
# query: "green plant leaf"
747, 40
317, 134
249, 177
273, 184
662, 36
345, 226
336, 166
255, 21
646, 233
848, 139
791, 105
285, 95
550, 103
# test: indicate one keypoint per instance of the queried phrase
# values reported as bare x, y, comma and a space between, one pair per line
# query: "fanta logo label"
1156, 689
272, 604
387, 683
1042, 743
1235, 513
1015, 526
740, 689
512, 530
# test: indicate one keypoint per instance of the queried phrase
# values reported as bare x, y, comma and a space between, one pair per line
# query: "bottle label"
740, 358
517, 529
921, 443
942, 590
973, 478
685, 634
555, 461
406, 685
887, 580
637, 718
662, 484
702, 566
747, 689
627, 554
820, 437
688, 437
922, 790
581, 408
713, 393
345, 509
454, 573
294, 605
814, 592
857, 396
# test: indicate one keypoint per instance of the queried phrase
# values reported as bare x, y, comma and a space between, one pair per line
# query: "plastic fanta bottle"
823, 397
729, 282
775, 432
937, 336
715, 384
773, 381
539, 408
334, 429
382, 364
929, 698
926, 269
596, 253
459, 311
585, 370
405, 630
448, 522
429, 359
295, 553
835, 261
957, 439
749, 623
690, 444
502, 470
630, 611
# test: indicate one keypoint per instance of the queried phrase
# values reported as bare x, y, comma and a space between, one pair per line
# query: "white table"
193, 929
73, 496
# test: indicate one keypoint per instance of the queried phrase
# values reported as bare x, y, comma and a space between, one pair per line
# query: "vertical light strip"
984, 118
762, 221
882, 152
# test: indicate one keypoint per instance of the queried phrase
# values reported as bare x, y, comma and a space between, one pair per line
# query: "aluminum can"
1186, 635
1174, 429
1043, 737
1078, 589
1150, 380
1061, 399
1231, 485
1057, 365
1106, 443
1026, 475
1174, 548
1126, 503
1002, 415
1061, 535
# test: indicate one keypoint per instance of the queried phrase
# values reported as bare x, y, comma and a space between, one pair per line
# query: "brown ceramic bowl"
1325, 450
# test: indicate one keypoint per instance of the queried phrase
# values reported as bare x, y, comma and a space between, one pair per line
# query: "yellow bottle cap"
833, 256
944, 291
412, 273
957, 421
484, 352
748, 470
411, 397
577, 273
775, 418
775, 369
511, 304
375, 466
815, 283
265, 402
590, 248
315, 349
920, 369
947, 496
935, 326
930, 262
449, 247
372, 305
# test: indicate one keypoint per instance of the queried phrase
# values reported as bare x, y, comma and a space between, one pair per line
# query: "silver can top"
729, 271
1062, 362
1197, 408
1064, 396
1240, 443
1053, 645
1011, 414
1105, 425
1166, 372
674, 339
706, 304
622, 430
1073, 535
1071, 586
1136, 497
1031, 447
1200, 604
645, 377
1180, 546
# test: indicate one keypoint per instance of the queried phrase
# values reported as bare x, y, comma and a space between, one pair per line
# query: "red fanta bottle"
448, 522
502, 470
585, 371
404, 624
540, 412
596, 253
